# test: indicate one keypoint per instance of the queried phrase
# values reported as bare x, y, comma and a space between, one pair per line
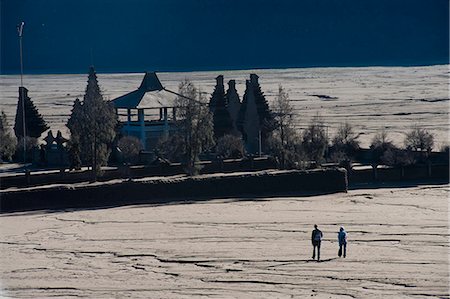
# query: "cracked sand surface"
398, 248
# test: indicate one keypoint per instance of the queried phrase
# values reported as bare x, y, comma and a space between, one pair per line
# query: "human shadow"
322, 260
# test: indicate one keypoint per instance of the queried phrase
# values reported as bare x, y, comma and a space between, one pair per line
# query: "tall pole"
20, 31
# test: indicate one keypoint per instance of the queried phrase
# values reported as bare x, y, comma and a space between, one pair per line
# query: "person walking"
342, 238
316, 239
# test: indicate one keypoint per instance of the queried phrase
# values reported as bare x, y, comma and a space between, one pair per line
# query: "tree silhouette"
315, 140
284, 137
75, 125
93, 126
195, 124
419, 139
194, 132
345, 144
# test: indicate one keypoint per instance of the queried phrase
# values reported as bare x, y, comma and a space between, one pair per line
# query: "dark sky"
169, 35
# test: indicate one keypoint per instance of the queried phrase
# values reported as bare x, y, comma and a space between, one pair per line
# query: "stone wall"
38, 179
174, 189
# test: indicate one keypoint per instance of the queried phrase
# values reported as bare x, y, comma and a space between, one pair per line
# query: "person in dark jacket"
316, 239
342, 238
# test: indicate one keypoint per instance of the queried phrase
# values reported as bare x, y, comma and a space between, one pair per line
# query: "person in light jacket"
342, 238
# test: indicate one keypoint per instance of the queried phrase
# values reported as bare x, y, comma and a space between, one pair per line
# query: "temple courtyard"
235, 248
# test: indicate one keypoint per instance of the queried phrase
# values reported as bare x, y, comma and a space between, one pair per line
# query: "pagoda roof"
149, 95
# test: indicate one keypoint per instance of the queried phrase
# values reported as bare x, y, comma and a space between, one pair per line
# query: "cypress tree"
75, 121
93, 125
75, 125
34, 123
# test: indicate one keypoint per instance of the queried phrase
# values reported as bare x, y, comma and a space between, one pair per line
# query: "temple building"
148, 112
255, 120
233, 105
218, 106
35, 124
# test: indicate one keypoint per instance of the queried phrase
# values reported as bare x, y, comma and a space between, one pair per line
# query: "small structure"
53, 153
147, 113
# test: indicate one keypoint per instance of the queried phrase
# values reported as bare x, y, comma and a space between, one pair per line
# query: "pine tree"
34, 123
218, 106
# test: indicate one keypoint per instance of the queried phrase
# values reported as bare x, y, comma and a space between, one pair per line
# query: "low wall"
39, 179
173, 189
392, 174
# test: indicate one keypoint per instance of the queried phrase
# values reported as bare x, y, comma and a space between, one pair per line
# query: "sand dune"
260, 248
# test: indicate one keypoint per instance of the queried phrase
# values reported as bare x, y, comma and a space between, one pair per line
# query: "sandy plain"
247, 248
235, 248
369, 98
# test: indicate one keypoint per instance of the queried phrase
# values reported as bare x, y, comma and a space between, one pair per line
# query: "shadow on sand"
99, 200
62, 206
397, 184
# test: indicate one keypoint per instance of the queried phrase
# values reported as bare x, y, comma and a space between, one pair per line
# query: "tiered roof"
150, 95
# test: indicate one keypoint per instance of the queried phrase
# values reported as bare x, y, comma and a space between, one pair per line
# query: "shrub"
8, 143
287, 155
230, 147
171, 148
130, 147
